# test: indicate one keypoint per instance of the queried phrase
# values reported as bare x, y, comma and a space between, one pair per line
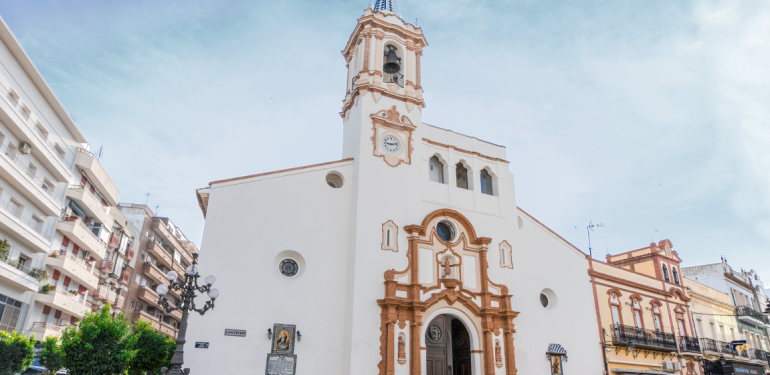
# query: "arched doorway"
448, 347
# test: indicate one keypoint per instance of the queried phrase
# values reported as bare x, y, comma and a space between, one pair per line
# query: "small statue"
498, 354
447, 268
401, 353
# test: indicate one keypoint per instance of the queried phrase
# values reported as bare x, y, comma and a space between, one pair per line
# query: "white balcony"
18, 277
98, 176
90, 205
75, 268
105, 294
65, 301
17, 174
20, 228
23, 127
43, 330
77, 232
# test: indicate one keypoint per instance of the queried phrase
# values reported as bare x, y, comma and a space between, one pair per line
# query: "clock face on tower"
391, 144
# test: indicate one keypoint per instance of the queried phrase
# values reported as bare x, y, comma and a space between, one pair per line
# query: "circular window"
548, 299
288, 267
445, 230
334, 180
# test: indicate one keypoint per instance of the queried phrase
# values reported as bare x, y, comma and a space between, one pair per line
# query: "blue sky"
649, 116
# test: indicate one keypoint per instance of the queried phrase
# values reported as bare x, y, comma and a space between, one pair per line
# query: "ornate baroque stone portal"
467, 288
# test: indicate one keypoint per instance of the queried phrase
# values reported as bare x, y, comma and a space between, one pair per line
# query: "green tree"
100, 345
52, 356
154, 350
16, 352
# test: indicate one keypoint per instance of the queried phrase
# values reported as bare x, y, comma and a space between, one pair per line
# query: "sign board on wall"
235, 332
201, 345
281, 364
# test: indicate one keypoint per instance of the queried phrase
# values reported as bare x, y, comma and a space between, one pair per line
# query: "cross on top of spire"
386, 6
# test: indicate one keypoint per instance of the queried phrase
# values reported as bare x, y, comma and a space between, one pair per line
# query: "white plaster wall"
247, 225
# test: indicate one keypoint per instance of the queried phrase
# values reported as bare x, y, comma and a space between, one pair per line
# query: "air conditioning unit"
152, 237
677, 366
668, 366
89, 221
25, 148
86, 254
67, 212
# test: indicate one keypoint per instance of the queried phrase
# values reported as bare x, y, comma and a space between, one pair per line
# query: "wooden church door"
436, 343
461, 349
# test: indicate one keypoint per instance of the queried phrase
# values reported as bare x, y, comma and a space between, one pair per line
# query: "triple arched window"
486, 183
462, 176
665, 273
676, 275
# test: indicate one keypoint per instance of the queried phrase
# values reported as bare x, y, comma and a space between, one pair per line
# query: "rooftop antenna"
156, 210
589, 229
416, 24
72, 116
146, 198
99, 154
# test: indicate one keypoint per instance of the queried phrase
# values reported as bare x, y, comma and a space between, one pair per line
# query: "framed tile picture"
283, 338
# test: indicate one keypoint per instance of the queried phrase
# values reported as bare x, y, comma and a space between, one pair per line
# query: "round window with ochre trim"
446, 230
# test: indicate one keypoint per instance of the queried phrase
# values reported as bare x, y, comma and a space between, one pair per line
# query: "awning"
629, 371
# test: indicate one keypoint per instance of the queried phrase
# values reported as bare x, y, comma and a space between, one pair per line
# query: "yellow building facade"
643, 313
716, 326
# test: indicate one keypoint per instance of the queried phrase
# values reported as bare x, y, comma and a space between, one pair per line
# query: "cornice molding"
630, 283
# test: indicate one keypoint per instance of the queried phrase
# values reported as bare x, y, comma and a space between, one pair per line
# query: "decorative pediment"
394, 118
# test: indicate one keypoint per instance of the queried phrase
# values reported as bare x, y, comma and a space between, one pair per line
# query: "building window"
543, 300
665, 273
11, 311
288, 267
486, 183
637, 308
445, 231
138, 279
656, 318
676, 275
436, 170
462, 176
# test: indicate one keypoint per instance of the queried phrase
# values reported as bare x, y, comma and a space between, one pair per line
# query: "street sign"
201, 345
739, 345
235, 332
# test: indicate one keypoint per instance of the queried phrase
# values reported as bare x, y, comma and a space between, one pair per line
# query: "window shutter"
92, 190
75, 249
57, 315
65, 242
56, 274
73, 320
82, 290
83, 180
67, 281
46, 310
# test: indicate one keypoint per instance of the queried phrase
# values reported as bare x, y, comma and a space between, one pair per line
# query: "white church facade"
407, 256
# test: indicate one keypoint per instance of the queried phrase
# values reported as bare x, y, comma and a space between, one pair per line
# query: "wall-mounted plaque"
283, 338
201, 345
281, 364
235, 332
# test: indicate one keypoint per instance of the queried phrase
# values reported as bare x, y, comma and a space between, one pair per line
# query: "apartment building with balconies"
39, 145
716, 326
161, 247
739, 286
643, 312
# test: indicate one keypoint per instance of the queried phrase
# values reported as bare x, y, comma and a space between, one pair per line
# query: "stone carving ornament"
434, 333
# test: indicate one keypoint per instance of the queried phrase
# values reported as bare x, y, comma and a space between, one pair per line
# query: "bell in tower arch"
392, 61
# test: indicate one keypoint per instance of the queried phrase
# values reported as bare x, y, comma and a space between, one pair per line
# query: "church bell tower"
383, 90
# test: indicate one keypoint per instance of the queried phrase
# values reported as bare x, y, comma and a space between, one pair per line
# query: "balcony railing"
70, 295
114, 240
709, 345
107, 266
749, 311
70, 256
130, 253
46, 326
627, 335
396, 78
67, 158
90, 233
689, 344
757, 354
124, 277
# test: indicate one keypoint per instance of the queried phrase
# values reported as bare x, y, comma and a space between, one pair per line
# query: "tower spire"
386, 6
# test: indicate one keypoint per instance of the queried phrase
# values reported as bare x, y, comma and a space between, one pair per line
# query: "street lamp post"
187, 287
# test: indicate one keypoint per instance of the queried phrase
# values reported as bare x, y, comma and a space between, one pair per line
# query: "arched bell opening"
450, 345
393, 64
